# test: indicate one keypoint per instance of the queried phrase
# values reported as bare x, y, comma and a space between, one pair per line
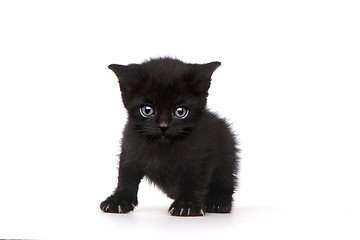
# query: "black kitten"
172, 139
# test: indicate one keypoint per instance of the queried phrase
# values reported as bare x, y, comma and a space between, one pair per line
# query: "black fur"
194, 159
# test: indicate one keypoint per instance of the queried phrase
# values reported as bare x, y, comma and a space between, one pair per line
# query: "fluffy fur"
192, 159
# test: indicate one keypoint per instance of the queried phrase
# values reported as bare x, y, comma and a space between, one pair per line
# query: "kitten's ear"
124, 73
205, 71
200, 75
119, 70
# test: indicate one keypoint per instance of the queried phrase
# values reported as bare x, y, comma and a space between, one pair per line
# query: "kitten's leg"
189, 200
124, 198
221, 188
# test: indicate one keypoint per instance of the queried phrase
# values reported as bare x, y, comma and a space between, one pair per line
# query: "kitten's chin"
165, 138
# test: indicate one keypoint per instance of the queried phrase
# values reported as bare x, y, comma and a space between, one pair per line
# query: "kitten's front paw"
218, 205
185, 208
114, 204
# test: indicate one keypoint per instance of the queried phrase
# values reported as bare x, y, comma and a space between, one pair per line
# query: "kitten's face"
165, 110
164, 97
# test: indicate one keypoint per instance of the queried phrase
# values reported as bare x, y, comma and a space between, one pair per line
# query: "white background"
289, 83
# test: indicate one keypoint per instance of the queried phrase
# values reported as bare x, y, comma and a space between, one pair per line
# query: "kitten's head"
164, 97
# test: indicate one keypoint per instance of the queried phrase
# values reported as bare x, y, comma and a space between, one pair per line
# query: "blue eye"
147, 111
181, 112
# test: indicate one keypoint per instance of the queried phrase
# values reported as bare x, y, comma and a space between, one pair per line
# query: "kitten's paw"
114, 204
183, 208
218, 206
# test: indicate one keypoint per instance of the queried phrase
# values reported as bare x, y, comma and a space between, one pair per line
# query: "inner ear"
199, 76
205, 71
125, 74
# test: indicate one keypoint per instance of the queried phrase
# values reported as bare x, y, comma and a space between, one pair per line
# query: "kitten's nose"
163, 127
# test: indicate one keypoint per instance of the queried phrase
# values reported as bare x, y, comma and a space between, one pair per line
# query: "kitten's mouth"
164, 136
